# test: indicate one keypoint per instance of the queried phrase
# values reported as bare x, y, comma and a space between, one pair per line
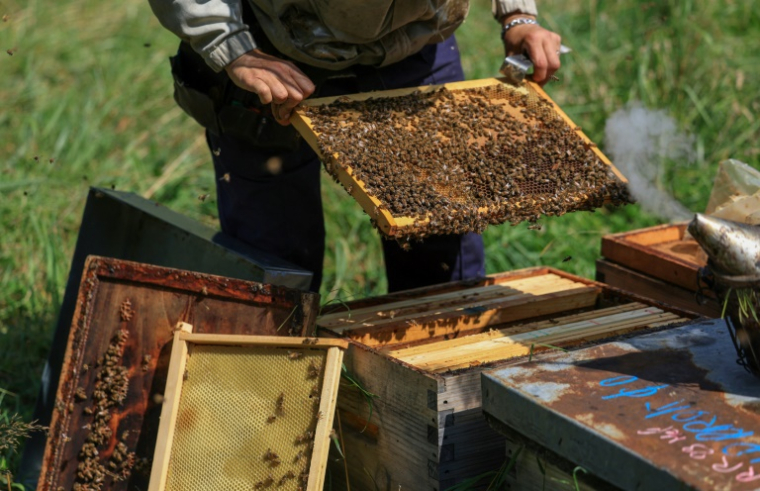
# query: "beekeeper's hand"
541, 45
276, 81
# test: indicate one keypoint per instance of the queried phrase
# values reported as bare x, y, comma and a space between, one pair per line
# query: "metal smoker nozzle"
734, 248
515, 67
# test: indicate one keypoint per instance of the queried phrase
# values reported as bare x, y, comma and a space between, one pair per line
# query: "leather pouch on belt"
196, 100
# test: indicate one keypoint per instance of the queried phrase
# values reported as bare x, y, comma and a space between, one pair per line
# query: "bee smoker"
733, 273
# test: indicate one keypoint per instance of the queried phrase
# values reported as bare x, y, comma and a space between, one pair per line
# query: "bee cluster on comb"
456, 161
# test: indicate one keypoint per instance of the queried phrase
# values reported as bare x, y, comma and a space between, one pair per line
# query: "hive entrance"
457, 158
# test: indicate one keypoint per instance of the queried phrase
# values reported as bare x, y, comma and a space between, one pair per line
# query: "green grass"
88, 86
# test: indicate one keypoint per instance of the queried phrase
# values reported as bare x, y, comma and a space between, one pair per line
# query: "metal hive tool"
458, 157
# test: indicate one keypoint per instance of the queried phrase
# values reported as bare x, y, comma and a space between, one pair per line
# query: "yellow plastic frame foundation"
246, 412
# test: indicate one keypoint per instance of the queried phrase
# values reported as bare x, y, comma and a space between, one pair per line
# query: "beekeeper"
243, 65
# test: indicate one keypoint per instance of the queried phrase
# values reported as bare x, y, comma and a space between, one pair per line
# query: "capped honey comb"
458, 157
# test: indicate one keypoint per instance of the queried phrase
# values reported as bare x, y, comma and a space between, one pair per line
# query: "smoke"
640, 140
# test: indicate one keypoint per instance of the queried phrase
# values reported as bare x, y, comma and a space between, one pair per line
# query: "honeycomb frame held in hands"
458, 157
247, 413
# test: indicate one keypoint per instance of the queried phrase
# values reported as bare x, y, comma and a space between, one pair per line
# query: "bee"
217, 152
313, 371
203, 197
225, 177
11, 51
279, 404
306, 437
265, 483
185, 375
271, 419
310, 341
288, 475
567, 258
295, 355
269, 455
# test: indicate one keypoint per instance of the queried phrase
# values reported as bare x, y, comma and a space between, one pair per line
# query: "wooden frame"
393, 225
184, 338
146, 302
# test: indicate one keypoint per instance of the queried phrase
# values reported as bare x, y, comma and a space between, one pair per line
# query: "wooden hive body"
426, 430
658, 262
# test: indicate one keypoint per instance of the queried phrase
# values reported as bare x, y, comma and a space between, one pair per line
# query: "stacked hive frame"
421, 353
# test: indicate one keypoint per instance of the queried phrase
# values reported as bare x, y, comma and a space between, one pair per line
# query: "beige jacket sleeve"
214, 29
500, 8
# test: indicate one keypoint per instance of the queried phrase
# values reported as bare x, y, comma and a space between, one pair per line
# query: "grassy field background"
85, 100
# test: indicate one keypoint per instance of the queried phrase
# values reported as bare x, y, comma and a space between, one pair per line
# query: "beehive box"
457, 157
114, 371
246, 413
421, 353
658, 410
659, 262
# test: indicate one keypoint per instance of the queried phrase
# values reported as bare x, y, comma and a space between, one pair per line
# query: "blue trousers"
272, 200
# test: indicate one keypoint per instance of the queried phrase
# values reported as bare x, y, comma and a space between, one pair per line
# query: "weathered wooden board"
385, 221
425, 429
137, 306
664, 410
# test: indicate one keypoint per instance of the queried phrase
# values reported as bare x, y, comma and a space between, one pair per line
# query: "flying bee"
295, 355
203, 197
